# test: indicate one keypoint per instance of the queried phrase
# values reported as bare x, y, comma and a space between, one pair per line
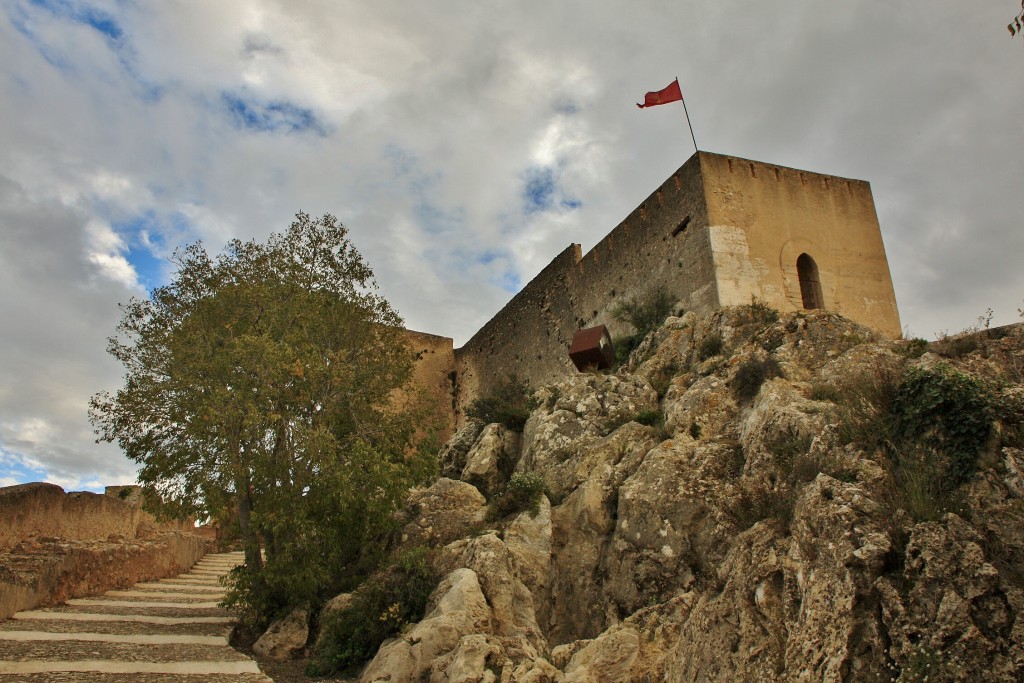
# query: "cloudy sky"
464, 143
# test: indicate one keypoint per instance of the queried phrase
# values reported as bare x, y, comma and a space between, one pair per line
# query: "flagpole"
688, 124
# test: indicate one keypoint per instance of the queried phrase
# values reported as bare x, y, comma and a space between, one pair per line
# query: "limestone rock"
744, 541
667, 532
457, 609
285, 638
577, 414
514, 616
491, 458
452, 456
446, 510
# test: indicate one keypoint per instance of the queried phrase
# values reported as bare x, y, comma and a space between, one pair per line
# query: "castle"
719, 232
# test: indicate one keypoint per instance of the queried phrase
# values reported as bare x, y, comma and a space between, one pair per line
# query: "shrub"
947, 412
695, 430
757, 315
510, 404
625, 346
522, 492
649, 418
825, 391
957, 346
755, 501
645, 312
913, 348
930, 424
710, 346
383, 606
751, 374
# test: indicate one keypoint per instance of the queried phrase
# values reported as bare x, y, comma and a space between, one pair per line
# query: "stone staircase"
166, 631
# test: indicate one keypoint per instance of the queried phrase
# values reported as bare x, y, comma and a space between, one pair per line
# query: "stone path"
167, 631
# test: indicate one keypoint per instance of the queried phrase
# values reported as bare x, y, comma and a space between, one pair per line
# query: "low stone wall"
47, 572
56, 545
41, 510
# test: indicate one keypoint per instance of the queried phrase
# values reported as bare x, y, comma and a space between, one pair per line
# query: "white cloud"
106, 250
421, 126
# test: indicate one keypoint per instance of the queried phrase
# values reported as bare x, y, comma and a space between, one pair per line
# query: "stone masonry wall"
433, 380
662, 243
44, 510
56, 545
762, 217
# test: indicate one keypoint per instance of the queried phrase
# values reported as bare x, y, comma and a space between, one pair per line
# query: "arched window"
810, 286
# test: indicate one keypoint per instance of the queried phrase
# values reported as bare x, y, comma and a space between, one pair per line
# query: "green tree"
259, 380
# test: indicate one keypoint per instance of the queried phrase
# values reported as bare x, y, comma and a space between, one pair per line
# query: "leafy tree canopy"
257, 384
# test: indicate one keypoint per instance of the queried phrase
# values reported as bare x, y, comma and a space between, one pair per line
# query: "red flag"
670, 94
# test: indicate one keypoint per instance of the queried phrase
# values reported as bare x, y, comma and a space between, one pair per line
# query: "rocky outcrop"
286, 638
709, 523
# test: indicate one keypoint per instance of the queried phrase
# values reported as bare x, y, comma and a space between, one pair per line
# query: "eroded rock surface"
698, 533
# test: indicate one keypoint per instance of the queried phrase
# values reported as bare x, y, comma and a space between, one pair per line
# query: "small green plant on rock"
757, 315
643, 313
522, 492
751, 374
710, 346
510, 404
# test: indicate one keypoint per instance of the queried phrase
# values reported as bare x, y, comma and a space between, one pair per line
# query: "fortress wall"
433, 378
530, 336
663, 243
653, 247
763, 217
44, 510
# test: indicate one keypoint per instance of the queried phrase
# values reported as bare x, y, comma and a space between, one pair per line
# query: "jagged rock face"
741, 538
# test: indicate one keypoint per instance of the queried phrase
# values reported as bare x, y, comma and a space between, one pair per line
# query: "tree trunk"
250, 541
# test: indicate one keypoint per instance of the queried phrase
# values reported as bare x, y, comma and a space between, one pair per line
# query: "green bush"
947, 412
930, 425
913, 348
751, 374
645, 312
522, 492
649, 418
710, 346
757, 315
381, 608
510, 404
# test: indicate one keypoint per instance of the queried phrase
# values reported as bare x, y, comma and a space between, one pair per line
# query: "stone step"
115, 627
95, 677
167, 631
133, 618
161, 595
77, 650
193, 668
134, 604
177, 587
136, 638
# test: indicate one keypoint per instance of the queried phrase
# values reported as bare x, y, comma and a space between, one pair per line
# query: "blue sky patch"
249, 113
538, 190
421, 185
13, 467
83, 13
541, 192
146, 247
